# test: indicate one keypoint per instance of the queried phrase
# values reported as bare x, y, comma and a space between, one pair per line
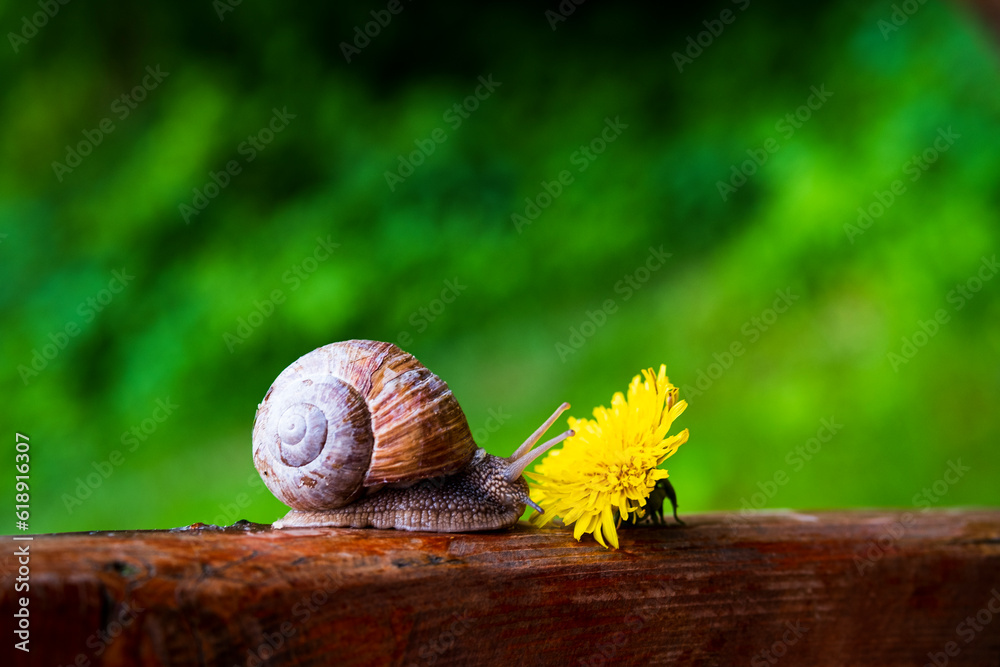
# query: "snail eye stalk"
537, 435
518, 466
531, 503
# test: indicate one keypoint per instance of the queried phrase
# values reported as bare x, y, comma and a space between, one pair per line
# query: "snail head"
525, 455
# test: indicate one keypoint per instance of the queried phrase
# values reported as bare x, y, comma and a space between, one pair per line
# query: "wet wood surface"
827, 588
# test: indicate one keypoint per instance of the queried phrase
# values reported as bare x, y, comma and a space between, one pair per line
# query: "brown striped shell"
352, 416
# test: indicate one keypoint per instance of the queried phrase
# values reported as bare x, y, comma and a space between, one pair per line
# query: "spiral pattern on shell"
352, 416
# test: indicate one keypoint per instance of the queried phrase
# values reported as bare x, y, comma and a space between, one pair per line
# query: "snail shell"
352, 416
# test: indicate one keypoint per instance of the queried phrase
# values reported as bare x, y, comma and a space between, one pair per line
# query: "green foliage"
169, 333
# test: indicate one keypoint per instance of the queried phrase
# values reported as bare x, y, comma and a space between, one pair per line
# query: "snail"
361, 434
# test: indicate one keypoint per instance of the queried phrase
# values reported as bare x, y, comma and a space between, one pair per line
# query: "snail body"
360, 433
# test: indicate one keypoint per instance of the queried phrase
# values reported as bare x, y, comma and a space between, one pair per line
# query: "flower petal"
606, 471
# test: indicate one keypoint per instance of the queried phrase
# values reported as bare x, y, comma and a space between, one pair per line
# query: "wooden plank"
828, 588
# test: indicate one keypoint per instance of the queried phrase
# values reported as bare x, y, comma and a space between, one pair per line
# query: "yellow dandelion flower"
606, 470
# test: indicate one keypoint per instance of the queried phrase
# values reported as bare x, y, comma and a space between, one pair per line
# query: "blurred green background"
526, 326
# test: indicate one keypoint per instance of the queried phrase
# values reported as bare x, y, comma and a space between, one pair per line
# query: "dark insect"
663, 490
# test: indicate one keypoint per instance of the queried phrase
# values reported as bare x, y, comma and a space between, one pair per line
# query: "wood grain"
827, 588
